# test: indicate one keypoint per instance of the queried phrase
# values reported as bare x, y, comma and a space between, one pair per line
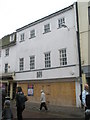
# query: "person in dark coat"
7, 112
20, 102
3, 97
87, 111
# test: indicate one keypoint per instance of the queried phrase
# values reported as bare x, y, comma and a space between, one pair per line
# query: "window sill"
21, 40
46, 32
32, 37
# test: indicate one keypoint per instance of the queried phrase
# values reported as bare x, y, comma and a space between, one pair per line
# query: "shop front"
7, 83
58, 92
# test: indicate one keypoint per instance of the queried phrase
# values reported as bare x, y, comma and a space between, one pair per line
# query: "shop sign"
30, 90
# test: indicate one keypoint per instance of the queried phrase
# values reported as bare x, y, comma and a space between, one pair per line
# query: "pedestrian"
3, 97
7, 112
84, 93
20, 102
43, 101
86, 101
87, 111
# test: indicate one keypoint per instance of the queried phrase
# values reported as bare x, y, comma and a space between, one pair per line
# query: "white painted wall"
53, 42
11, 60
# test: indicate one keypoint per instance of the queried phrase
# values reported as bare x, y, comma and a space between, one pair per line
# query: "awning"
6, 76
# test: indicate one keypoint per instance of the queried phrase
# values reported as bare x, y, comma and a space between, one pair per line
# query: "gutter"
79, 54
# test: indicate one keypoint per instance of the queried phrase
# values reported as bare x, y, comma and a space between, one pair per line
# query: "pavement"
32, 111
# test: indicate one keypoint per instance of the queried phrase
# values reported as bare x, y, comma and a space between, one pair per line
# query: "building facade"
84, 32
7, 63
47, 58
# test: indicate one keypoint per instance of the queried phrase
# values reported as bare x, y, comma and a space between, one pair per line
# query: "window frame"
22, 37
21, 64
6, 68
32, 62
47, 28
61, 21
63, 57
6, 52
47, 58
32, 33
12, 37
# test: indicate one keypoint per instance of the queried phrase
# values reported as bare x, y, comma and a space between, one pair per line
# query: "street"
54, 112
32, 111
43, 114
36, 114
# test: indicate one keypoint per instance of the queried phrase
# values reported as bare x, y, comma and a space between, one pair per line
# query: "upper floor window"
89, 14
21, 64
61, 21
32, 62
6, 67
47, 60
7, 52
22, 37
32, 33
46, 28
63, 57
12, 38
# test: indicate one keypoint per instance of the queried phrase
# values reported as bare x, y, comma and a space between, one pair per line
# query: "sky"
15, 14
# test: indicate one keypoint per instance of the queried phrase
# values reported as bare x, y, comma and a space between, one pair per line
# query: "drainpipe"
79, 54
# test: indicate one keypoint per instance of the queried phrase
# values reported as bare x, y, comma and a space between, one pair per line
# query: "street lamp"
65, 26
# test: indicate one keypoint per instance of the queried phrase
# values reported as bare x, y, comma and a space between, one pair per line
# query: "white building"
47, 58
7, 63
44, 55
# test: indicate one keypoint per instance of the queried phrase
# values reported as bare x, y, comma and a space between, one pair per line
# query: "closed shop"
57, 93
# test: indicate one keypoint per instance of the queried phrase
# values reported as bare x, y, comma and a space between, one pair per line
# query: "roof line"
45, 18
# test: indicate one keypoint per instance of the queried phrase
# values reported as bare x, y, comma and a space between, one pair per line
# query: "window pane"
63, 57
32, 62
22, 37
32, 33
7, 52
61, 21
21, 64
47, 60
6, 67
46, 28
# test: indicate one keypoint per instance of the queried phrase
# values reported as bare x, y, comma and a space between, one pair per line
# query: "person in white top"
84, 93
43, 101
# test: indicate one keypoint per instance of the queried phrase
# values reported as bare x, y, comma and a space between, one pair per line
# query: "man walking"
84, 93
86, 101
43, 101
